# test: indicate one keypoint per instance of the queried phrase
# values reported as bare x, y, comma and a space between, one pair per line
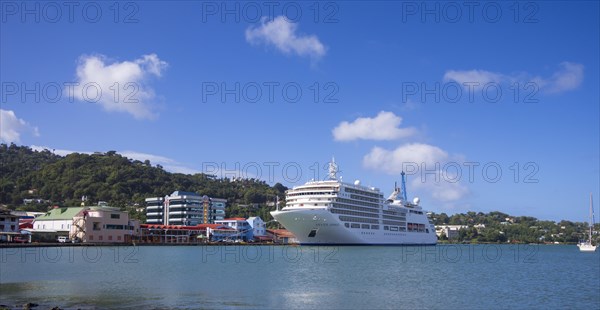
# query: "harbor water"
348, 277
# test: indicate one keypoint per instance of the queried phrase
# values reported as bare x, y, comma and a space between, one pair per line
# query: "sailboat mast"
591, 217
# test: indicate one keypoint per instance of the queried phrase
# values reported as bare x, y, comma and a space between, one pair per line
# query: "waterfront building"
201, 233
258, 226
281, 236
243, 229
9, 225
54, 223
103, 224
184, 208
218, 208
451, 231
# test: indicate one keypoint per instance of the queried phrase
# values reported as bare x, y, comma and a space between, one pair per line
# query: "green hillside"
110, 177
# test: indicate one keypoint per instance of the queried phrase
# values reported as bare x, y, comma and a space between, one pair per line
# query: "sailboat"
586, 245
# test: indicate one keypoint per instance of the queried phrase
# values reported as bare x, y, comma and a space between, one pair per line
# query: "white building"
258, 226
244, 230
451, 231
57, 220
9, 225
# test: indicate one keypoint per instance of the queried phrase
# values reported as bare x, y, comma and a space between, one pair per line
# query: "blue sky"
384, 86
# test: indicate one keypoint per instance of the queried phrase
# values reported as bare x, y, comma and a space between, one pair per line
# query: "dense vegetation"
117, 180
501, 227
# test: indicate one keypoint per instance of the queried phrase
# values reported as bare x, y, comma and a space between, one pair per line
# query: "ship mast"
404, 186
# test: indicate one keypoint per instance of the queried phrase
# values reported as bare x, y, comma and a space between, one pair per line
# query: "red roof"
235, 219
25, 225
281, 233
181, 227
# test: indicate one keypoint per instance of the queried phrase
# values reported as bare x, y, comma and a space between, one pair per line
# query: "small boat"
586, 245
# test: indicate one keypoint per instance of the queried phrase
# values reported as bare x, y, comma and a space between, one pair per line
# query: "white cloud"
568, 77
11, 127
393, 161
481, 77
441, 190
382, 127
119, 86
281, 33
168, 164
442, 186
143, 156
56, 151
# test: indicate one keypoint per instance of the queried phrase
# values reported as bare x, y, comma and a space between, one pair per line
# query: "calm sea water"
443, 276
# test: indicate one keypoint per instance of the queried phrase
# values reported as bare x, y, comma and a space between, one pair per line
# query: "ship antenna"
403, 186
333, 169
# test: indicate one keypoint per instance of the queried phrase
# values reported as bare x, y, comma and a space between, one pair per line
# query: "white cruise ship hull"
330, 230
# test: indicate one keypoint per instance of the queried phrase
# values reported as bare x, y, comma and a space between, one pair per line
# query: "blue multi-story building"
184, 208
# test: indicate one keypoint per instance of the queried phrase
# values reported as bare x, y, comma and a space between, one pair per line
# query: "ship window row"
352, 190
363, 226
311, 193
364, 198
360, 203
355, 213
324, 188
414, 227
394, 228
317, 188
416, 212
351, 207
397, 218
358, 219
394, 213
394, 223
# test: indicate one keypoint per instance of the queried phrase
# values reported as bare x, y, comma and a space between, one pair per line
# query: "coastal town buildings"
95, 224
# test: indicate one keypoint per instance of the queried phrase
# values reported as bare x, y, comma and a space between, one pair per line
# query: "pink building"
103, 224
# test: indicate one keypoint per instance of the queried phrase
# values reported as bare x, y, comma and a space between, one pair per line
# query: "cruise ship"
332, 212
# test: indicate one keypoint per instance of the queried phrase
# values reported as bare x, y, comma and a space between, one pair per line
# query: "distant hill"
502, 227
51, 179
